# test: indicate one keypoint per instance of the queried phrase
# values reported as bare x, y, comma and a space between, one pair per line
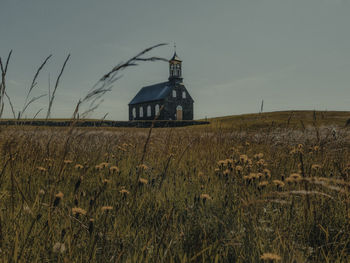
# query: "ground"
249, 188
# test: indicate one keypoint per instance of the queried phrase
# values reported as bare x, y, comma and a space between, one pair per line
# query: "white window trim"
141, 112
149, 111
174, 94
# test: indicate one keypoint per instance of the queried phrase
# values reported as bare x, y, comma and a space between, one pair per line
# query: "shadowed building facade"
168, 100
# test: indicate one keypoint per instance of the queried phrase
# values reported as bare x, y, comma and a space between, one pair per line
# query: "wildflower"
254, 176
205, 197
41, 169
239, 169
296, 176
78, 210
124, 192
226, 172
278, 183
260, 175
267, 173
316, 167
58, 198
104, 164
143, 181
67, 161
106, 208
270, 257
41, 192
221, 163
243, 158
114, 169
59, 195
142, 167
316, 148
78, 167
106, 181
59, 248
261, 163
263, 184
98, 167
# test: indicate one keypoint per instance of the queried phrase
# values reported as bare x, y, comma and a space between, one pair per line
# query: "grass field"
271, 187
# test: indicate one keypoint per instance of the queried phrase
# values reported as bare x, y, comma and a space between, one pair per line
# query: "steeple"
175, 73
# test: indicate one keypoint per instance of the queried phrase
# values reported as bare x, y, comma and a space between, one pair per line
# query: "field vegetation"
269, 187
214, 193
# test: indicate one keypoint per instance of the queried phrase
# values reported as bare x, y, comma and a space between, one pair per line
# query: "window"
157, 110
141, 112
134, 113
149, 111
184, 94
174, 93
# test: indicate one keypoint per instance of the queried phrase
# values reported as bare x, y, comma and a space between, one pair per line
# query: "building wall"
145, 105
171, 103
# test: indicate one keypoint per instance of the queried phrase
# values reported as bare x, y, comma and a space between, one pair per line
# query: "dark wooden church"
167, 100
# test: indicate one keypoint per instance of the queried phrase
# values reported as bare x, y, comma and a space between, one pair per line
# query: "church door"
179, 113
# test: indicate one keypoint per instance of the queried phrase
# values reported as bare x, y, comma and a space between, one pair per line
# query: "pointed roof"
175, 57
151, 93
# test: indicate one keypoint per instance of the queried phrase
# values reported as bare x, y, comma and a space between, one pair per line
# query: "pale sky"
293, 54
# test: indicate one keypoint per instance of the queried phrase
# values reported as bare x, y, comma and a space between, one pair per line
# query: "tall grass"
196, 194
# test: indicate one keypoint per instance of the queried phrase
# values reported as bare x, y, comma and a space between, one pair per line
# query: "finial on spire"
174, 47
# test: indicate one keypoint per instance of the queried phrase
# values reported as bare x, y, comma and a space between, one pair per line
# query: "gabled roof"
151, 93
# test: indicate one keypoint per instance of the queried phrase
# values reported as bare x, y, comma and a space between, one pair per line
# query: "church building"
168, 100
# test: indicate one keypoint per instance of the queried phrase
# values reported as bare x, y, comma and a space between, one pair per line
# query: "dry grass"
190, 194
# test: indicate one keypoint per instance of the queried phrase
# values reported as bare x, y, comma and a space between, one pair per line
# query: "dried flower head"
78, 210
106, 181
114, 169
243, 158
239, 169
59, 195
267, 173
263, 184
67, 161
106, 208
78, 167
205, 197
316, 167
142, 167
278, 183
143, 181
296, 176
59, 248
270, 257
124, 192
41, 169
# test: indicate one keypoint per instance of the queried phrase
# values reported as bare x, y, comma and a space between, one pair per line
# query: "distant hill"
293, 119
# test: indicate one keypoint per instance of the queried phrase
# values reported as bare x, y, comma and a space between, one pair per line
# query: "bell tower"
175, 73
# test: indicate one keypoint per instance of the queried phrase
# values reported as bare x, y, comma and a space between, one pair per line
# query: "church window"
141, 112
174, 93
157, 110
184, 94
149, 112
134, 113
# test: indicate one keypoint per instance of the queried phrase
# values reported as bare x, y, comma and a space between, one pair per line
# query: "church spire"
175, 62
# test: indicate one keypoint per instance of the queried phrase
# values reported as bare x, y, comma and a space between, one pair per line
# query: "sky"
293, 55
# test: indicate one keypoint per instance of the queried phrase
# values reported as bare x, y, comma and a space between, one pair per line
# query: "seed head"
270, 257
114, 169
106, 208
78, 210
